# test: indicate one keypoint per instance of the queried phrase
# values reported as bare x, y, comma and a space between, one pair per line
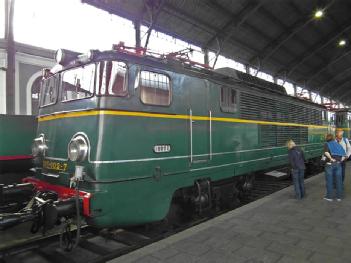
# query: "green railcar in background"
140, 134
16, 137
343, 121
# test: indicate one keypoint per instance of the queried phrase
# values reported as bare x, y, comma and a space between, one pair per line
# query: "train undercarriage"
46, 207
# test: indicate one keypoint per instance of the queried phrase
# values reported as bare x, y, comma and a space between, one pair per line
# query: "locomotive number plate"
57, 166
163, 148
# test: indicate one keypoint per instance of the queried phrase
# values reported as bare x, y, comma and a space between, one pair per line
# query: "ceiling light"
342, 42
319, 13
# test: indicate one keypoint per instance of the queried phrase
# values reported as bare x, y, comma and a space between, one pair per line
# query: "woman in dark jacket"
297, 163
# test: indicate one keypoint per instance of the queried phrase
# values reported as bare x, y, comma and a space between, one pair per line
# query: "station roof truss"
282, 38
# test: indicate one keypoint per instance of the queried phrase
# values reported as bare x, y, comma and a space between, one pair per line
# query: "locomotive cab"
86, 138
70, 124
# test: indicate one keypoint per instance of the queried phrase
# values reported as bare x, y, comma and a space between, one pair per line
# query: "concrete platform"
277, 228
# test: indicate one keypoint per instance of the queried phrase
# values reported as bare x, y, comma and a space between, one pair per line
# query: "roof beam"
179, 13
236, 20
276, 21
273, 46
337, 90
113, 9
342, 73
324, 67
225, 36
313, 50
257, 32
203, 25
209, 28
347, 93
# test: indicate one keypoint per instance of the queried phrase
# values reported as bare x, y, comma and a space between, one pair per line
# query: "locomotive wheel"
249, 182
245, 185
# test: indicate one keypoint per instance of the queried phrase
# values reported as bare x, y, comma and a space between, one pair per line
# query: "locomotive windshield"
105, 78
49, 91
78, 83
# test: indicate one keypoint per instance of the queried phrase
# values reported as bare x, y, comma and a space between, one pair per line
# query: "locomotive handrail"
210, 123
191, 134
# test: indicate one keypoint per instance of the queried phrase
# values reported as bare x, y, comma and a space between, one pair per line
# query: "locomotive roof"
218, 75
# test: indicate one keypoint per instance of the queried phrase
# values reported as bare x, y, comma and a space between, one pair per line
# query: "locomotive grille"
260, 83
261, 108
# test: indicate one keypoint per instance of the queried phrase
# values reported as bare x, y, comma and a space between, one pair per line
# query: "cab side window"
112, 78
228, 99
155, 88
48, 94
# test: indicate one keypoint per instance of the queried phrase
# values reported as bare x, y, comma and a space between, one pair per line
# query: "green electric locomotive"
132, 134
342, 120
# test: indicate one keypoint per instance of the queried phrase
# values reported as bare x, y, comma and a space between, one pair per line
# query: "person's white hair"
290, 144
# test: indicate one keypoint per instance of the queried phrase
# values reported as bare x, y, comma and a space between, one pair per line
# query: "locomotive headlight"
78, 149
64, 56
39, 146
59, 56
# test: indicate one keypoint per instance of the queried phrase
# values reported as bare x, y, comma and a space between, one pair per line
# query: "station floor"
277, 228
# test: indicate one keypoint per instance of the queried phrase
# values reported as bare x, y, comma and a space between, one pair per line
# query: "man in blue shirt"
344, 142
335, 155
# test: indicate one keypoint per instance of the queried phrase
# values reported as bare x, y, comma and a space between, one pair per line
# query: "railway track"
102, 245
94, 246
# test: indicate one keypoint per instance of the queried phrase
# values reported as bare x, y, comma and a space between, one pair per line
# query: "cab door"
200, 122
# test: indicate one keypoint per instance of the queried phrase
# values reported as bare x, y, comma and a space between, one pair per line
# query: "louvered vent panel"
260, 83
268, 135
260, 108
297, 134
